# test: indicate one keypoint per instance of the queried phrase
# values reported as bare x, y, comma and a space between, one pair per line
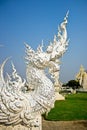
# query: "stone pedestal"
21, 127
57, 95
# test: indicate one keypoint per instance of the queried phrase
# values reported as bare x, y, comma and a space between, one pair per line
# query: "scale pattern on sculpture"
18, 105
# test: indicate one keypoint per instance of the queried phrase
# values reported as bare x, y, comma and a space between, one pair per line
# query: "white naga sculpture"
18, 106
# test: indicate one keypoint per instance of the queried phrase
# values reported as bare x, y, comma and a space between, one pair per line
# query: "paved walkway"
54, 125
64, 125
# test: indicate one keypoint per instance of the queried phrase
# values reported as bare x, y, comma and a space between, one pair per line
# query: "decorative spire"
67, 15
54, 40
40, 48
1, 69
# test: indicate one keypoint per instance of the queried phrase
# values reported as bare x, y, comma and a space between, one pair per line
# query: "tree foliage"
73, 84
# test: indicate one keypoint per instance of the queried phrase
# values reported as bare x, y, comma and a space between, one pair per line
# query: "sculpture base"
59, 96
21, 127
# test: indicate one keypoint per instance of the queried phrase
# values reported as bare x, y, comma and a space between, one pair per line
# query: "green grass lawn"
74, 107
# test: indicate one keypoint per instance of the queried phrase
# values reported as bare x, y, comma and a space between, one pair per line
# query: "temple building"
82, 77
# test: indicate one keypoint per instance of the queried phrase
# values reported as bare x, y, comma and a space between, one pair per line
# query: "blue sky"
33, 20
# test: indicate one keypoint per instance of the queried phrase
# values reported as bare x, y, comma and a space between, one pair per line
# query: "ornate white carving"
81, 77
20, 106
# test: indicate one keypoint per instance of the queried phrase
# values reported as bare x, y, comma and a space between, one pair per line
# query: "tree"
73, 84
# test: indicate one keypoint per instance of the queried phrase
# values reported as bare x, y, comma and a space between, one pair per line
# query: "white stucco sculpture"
18, 106
82, 78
